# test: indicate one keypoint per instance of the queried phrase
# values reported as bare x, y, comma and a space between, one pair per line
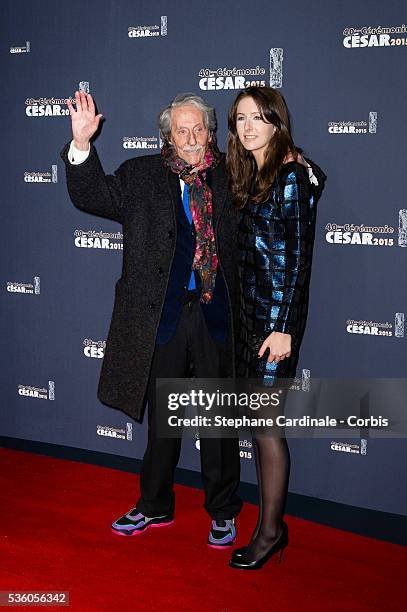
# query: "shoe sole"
221, 546
251, 569
139, 531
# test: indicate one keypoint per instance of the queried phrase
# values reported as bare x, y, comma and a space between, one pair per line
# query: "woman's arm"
290, 261
318, 184
291, 254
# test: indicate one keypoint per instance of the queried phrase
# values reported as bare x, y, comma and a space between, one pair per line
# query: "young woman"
276, 196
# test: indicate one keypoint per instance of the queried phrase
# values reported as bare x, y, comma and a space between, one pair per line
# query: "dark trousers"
191, 345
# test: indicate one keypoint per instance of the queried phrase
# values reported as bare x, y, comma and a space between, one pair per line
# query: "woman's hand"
85, 122
297, 158
279, 345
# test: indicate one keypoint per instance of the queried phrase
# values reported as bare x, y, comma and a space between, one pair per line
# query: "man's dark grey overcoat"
143, 196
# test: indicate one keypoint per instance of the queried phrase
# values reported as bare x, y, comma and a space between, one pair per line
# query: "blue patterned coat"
275, 243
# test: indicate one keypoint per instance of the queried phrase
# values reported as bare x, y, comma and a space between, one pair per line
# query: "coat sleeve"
291, 255
91, 190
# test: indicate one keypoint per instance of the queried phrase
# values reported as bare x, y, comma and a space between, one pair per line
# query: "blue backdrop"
341, 67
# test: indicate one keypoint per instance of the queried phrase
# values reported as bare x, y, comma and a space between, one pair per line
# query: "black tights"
273, 469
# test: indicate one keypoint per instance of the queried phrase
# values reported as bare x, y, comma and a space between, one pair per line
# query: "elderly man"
173, 304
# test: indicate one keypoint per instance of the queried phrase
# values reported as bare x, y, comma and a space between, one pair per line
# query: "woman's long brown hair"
244, 177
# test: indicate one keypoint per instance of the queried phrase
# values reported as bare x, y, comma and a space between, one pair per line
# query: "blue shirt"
185, 201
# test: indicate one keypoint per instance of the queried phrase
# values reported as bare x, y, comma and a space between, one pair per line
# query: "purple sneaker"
134, 522
222, 533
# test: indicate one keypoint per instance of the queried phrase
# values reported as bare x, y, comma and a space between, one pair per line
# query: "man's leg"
156, 503
220, 461
162, 454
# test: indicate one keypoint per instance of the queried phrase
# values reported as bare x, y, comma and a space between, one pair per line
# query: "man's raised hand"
84, 120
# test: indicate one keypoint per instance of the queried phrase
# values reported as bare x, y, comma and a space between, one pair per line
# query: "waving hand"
85, 122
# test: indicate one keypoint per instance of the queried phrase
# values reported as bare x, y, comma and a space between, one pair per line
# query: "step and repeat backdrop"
342, 69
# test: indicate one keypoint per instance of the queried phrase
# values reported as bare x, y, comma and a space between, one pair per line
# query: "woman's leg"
273, 467
258, 473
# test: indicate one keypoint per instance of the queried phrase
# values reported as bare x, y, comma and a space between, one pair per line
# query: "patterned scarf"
200, 204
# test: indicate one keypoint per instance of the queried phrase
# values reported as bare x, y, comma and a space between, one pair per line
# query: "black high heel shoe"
240, 562
239, 552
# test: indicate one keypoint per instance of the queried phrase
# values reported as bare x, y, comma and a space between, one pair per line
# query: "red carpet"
55, 535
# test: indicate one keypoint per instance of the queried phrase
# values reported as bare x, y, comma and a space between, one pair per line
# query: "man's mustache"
193, 149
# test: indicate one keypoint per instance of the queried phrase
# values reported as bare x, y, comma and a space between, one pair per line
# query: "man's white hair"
186, 99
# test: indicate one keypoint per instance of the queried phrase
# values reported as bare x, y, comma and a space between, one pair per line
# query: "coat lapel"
174, 189
217, 181
165, 192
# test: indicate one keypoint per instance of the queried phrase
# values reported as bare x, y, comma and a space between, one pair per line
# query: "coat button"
192, 232
170, 234
159, 270
152, 306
